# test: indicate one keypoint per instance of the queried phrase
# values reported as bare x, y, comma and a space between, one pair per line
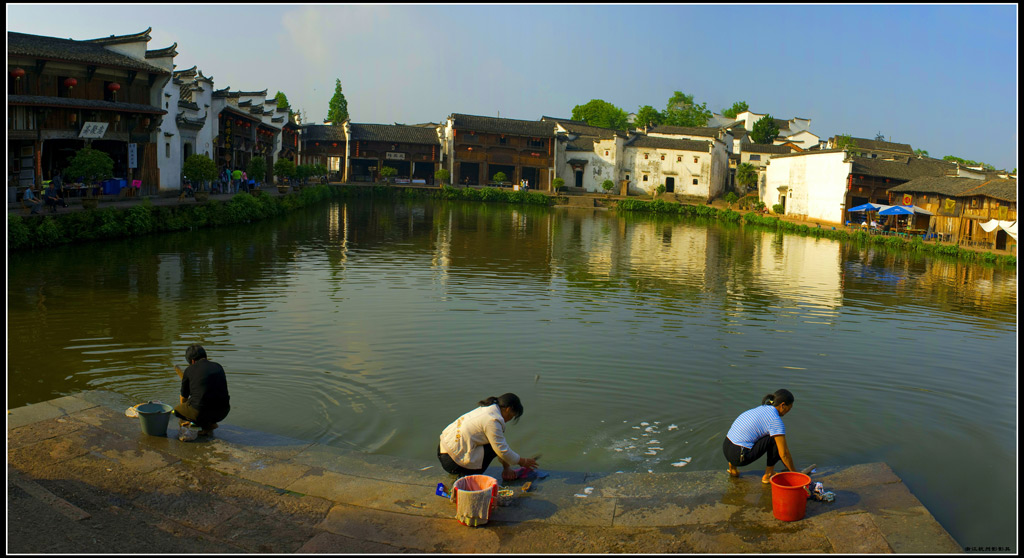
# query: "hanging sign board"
93, 130
391, 155
133, 155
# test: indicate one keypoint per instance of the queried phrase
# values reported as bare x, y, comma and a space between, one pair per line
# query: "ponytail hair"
509, 400
779, 397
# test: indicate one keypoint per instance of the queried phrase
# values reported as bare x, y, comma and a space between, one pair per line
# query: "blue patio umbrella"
897, 210
867, 207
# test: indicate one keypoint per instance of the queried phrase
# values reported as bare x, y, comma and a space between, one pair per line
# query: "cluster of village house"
116, 95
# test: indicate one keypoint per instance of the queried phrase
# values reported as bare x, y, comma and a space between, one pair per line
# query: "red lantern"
18, 73
114, 87
70, 82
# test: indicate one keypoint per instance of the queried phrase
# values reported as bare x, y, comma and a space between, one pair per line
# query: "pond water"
633, 341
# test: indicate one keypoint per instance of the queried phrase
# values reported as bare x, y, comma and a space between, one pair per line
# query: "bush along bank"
145, 218
915, 244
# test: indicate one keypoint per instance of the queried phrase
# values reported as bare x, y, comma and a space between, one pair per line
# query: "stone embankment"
82, 478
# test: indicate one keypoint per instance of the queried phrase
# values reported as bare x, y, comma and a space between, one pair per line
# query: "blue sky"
941, 78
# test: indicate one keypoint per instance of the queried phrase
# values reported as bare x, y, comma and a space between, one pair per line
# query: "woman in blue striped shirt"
760, 431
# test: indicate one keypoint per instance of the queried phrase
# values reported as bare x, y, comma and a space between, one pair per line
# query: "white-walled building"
188, 96
811, 184
686, 167
586, 156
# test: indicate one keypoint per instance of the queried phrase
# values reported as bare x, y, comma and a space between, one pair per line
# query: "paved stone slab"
854, 533
70, 404
199, 510
33, 489
354, 463
409, 531
255, 466
255, 532
29, 414
42, 430
329, 543
914, 530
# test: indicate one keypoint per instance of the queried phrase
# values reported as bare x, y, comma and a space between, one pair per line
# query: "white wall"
684, 170
169, 165
816, 185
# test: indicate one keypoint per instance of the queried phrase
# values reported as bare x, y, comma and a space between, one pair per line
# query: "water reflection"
364, 323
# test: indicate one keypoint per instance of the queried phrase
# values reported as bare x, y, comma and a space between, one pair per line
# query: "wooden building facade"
413, 151
482, 146
63, 95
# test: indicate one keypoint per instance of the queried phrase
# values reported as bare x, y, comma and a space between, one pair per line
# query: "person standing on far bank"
468, 445
760, 431
204, 391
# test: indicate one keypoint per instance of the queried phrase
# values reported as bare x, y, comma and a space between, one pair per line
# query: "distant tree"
845, 141
921, 152
735, 109
257, 169
499, 177
607, 185
647, 116
681, 110
282, 102
558, 184
746, 176
388, 172
968, 162
198, 169
284, 168
765, 131
601, 113
443, 176
337, 109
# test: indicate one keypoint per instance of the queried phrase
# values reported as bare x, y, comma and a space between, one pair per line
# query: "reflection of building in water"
337, 229
964, 286
803, 269
442, 249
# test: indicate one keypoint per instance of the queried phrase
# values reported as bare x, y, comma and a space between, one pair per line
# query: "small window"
645, 156
534, 142
645, 178
755, 157
502, 140
694, 181
696, 160
605, 153
662, 157
627, 177
679, 159
167, 150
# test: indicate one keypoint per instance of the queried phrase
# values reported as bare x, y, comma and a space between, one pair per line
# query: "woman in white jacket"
468, 445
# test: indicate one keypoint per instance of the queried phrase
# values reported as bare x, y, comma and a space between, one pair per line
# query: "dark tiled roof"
186, 122
875, 145
907, 169
162, 52
667, 143
323, 132
84, 52
581, 143
236, 112
705, 131
65, 102
584, 129
188, 105
531, 128
764, 148
398, 133
782, 125
954, 186
121, 39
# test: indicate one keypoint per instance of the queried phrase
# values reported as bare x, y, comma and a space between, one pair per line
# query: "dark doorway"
670, 184
423, 171
469, 173
530, 175
401, 166
57, 154
509, 170
579, 179
782, 202
1001, 240
362, 170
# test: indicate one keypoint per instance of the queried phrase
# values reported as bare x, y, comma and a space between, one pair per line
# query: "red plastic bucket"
789, 496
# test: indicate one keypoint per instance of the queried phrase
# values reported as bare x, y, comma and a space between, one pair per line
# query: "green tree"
388, 172
199, 167
647, 116
607, 185
845, 141
443, 176
91, 165
746, 176
735, 109
968, 162
257, 169
601, 113
499, 177
921, 152
284, 168
337, 109
683, 111
558, 184
765, 131
282, 102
